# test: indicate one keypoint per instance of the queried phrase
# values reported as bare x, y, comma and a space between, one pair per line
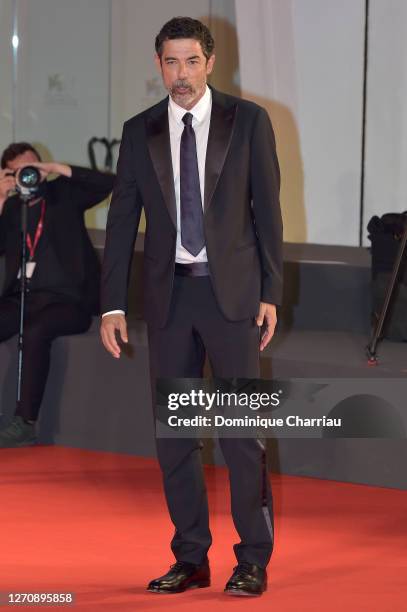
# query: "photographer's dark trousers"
195, 327
47, 316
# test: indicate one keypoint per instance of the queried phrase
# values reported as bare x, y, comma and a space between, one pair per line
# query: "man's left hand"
268, 316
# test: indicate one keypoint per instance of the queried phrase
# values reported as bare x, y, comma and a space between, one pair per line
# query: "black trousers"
195, 327
47, 316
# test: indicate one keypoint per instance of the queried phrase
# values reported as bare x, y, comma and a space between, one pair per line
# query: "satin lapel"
158, 142
219, 139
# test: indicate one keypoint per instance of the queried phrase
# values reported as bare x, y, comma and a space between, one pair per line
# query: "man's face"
184, 69
25, 159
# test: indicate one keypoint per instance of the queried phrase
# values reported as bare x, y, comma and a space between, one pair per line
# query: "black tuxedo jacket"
67, 199
242, 218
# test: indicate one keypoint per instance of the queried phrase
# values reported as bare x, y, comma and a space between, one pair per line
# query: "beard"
183, 93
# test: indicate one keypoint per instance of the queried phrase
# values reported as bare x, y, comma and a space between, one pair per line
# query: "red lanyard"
38, 232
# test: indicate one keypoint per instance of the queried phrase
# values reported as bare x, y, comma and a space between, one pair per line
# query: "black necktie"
192, 235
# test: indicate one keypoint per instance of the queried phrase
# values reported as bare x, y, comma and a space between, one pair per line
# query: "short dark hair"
185, 27
14, 150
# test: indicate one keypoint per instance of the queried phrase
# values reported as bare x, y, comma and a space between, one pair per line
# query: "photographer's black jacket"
66, 201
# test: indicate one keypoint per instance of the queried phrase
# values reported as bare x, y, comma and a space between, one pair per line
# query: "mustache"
181, 83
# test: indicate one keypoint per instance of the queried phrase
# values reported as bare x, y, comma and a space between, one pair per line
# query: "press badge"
29, 269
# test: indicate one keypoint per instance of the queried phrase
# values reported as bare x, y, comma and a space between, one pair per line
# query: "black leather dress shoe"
247, 580
182, 576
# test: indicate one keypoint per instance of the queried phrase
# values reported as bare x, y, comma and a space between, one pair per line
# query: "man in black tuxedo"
204, 167
62, 269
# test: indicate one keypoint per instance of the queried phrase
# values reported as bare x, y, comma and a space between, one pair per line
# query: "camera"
28, 181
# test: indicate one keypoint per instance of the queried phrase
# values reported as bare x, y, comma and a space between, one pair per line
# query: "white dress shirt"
201, 113
201, 121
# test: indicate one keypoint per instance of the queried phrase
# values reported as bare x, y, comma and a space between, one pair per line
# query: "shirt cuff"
109, 312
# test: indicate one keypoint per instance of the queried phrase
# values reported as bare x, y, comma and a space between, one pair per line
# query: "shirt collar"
199, 111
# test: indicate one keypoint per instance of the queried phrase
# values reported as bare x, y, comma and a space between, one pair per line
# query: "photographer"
62, 270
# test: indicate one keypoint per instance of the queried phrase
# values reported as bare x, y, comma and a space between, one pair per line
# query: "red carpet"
96, 524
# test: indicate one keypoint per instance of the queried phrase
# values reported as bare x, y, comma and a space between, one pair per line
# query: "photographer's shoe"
18, 433
182, 576
248, 580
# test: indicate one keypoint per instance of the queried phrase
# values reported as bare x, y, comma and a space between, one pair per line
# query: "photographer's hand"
7, 184
47, 168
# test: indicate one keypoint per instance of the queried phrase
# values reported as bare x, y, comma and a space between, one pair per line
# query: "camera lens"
28, 181
29, 177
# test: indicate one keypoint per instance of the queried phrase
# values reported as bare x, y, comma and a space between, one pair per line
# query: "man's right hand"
7, 184
110, 323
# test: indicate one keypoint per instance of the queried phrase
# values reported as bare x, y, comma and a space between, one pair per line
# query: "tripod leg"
23, 283
371, 348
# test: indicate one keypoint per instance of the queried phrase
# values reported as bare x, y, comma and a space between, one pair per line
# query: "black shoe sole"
197, 585
241, 593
